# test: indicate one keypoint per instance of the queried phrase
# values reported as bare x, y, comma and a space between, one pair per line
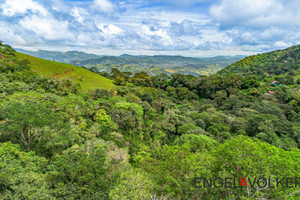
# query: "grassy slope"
87, 80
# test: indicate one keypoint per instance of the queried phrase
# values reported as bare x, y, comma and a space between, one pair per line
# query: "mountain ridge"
66, 57
271, 63
153, 65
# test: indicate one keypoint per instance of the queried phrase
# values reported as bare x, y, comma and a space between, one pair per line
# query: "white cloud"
8, 35
104, 6
156, 35
60, 6
109, 30
281, 44
151, 25
185, 27
180, 3
256, 13
13, 7
47, 28
260, 25
76, 14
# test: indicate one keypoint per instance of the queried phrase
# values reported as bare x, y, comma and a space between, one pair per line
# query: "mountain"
153, 65
87, 79
157, 64
66, 57
272, 63
157, 60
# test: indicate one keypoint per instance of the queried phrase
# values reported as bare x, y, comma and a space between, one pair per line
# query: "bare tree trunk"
27, 141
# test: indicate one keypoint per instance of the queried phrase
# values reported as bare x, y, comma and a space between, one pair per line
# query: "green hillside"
87, 80
272, 63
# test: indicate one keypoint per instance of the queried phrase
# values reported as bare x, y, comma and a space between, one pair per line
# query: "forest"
151, 137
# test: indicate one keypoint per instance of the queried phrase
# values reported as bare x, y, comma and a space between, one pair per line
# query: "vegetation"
147, 138
86, 79
282, 62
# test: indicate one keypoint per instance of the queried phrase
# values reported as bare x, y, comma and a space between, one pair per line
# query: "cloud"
110, 30
138, 26
256, 13
14, 7
155, 35
180, 3
76, 14
47, 28
255, 24
59, 6
7, 33
104, 6
76, 24
185, 27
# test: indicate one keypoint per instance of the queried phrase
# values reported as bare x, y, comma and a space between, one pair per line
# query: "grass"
87, 79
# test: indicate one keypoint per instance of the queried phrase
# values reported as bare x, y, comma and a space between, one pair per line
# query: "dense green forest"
150, 137
285, 62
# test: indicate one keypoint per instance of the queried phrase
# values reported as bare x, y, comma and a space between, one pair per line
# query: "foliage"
26, 123
273, 63
148, 137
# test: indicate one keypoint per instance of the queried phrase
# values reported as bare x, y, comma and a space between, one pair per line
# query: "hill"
66, 57
87, 79
266, 64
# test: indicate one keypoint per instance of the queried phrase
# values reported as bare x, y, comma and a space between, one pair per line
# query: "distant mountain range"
157, 60
65, 57
153, 65
158, 64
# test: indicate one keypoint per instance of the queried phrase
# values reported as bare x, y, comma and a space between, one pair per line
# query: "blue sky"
181, 27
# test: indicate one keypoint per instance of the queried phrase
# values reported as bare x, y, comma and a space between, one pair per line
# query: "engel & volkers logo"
233, 182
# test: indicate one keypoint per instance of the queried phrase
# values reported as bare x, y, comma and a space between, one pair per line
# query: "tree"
22, 174
219, 132
80, 172
25, 122
127, 115
250, 158
148, 97
105, 122
200, 143
188, 128
173, 168
133, 185
115, 73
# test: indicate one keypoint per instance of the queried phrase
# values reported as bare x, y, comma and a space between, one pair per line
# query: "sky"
148, 27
